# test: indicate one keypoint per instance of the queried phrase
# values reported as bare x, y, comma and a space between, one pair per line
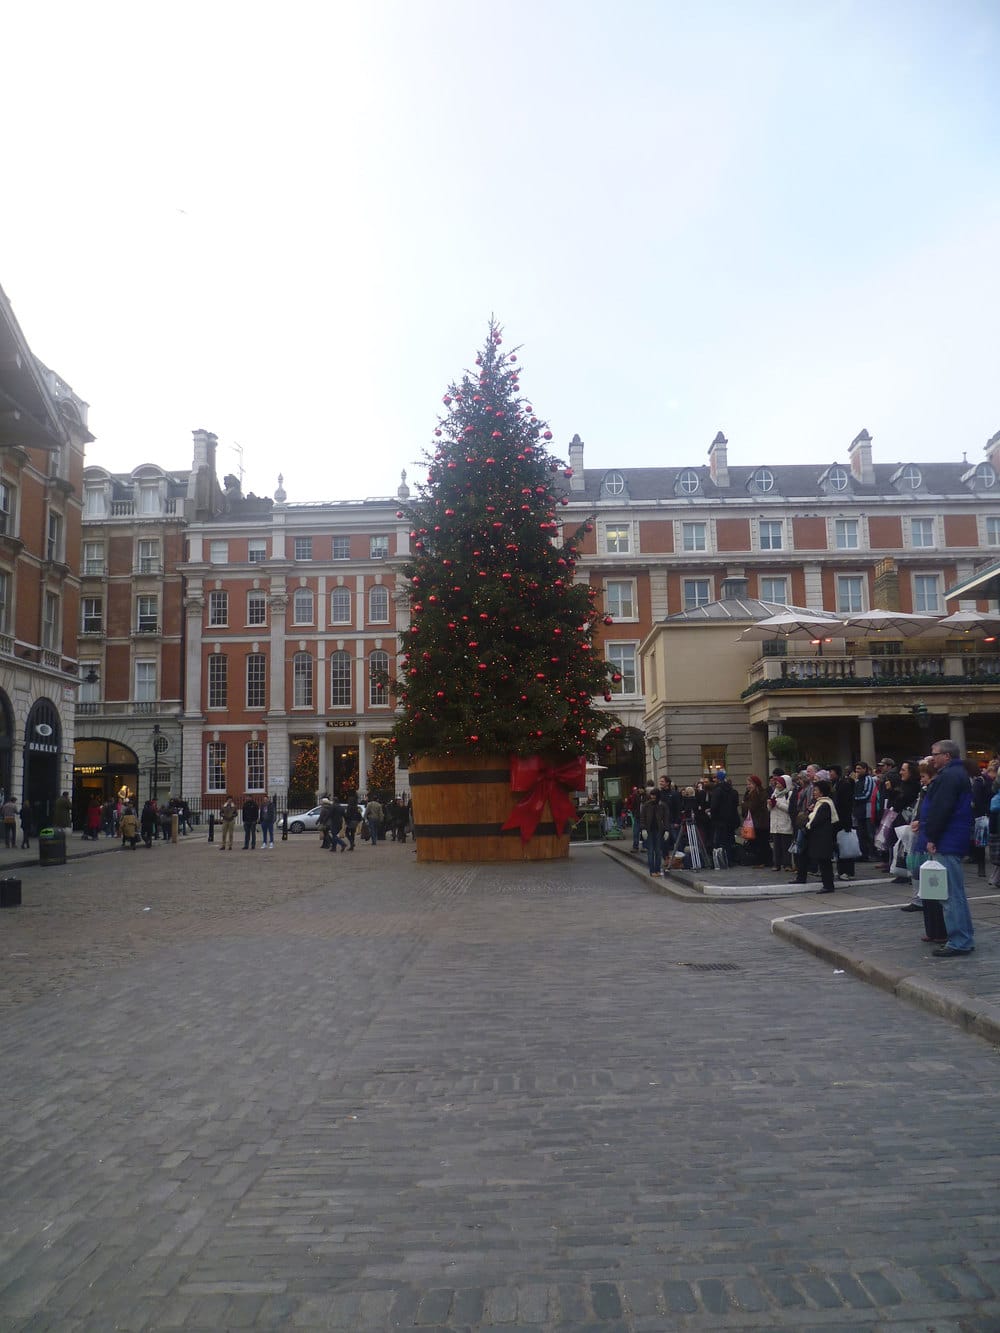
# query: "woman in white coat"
781, 823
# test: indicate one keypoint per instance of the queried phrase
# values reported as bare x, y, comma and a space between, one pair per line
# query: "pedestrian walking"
947, 824
128, 827
251, 817
352, 818
26, 818
8, 813
374, 816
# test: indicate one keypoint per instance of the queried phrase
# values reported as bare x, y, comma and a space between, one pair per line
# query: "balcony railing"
128, 707
768, 673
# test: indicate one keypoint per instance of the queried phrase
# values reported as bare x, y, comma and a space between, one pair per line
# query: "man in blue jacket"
948, 827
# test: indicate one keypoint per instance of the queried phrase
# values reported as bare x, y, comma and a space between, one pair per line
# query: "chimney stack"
718, 460
860, 455
576, 482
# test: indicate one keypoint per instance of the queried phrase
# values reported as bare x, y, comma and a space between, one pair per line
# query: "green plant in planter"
784, 748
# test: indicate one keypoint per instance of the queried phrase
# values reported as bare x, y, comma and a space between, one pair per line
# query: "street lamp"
155, 780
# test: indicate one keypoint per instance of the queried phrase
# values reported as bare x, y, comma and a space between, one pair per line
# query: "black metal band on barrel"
449, 777
476, 831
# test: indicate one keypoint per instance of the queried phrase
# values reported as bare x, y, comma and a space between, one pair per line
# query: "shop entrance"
103, 771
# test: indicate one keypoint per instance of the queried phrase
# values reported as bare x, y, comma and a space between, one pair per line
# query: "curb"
687, 887
979, 1017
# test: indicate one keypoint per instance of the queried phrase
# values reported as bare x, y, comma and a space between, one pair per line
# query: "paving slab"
298, 1090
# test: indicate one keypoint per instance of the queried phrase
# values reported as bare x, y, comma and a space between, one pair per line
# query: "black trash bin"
52, 847
10, 892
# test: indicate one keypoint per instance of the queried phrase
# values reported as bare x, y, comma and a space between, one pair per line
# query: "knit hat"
720, 774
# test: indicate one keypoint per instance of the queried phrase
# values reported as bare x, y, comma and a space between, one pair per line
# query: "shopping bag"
747, 830
720, 858
884, 829
981, 831
933, 881
848, 847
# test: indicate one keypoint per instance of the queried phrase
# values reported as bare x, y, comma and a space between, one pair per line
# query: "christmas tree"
499, 656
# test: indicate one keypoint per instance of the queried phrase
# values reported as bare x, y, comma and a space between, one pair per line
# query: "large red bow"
544, 782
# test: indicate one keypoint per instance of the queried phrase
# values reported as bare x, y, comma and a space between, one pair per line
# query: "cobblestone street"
291, 1090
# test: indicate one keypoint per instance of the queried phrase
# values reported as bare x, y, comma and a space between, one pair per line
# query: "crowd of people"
377, 822
824, 821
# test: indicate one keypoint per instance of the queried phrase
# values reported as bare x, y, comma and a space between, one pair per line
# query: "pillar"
956, 729
759, 756
866, 736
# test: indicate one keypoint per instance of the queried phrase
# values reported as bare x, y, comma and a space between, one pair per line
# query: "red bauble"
491, 460
616, 677
473, 739
451, 624
452, 466
567, 472
440, 694
472, 644
512, 357
497, 525
477, 397
497, 435
609, 620
557, 631
446, 400
482, 616
470, 430
481, 665
399, 513
546, 435
607, 698
564, 501
505, 575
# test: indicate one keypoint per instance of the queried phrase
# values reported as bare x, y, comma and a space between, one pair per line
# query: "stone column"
956, 729
759, 755
866, 732
323, 739
276, 685
362, 760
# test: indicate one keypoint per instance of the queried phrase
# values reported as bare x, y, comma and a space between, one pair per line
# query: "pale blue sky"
289, 224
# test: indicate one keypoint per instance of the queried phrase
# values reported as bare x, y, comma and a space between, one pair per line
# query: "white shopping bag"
933, 881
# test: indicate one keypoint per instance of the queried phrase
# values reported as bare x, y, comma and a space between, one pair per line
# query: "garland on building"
499, 656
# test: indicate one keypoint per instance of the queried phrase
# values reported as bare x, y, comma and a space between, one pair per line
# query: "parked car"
301, 823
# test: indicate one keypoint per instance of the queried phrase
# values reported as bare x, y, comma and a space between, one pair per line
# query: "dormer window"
614, 484
837, 479
910, 478
763, 480
985, 476
688, 482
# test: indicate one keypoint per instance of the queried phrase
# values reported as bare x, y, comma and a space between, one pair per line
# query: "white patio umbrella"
974, 624
794, 625
894, 624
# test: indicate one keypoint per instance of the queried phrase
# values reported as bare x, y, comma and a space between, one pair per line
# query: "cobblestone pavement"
314, 1092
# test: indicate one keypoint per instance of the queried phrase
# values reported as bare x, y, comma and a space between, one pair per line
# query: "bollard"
284, 827
211, 827
10, 892
174, 824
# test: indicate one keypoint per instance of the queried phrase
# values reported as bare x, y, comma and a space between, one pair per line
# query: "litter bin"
52, 847
10, 892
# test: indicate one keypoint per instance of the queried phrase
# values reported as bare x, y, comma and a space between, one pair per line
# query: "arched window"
340, 606
378, 605
614, 483
838, 479
910, 477
302, 680
763, 480
688, 482
340, 680
985, 475
377, 693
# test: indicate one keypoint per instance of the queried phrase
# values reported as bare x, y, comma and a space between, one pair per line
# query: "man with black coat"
724, 812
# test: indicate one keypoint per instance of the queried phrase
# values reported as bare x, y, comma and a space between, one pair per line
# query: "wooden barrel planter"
461, 802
